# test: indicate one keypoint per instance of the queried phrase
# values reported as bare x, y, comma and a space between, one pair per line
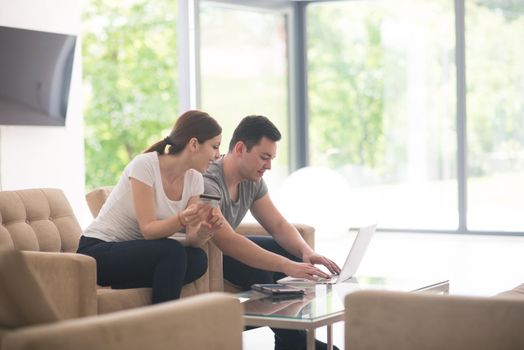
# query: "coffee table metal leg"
329, 337
310, 339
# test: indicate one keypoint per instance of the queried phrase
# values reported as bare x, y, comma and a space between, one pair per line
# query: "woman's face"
208, 151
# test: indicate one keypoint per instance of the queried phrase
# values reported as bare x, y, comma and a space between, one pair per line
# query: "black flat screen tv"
35, 76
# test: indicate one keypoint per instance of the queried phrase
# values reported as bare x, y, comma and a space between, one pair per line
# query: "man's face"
256, 161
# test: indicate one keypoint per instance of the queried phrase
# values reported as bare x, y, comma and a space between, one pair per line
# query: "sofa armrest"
307, 232
212, 280
96, 199
395, 320
69, 281
517, 292
215, 269
210, 321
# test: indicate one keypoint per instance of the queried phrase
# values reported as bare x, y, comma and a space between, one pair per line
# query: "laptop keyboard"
331, 279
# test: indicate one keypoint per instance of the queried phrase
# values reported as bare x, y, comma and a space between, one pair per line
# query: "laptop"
356, 253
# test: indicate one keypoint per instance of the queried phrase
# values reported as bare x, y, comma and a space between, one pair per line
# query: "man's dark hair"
252, 129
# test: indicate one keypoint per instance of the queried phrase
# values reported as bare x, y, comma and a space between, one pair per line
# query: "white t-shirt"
117, 222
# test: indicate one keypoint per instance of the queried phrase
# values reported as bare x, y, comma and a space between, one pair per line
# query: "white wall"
47, 156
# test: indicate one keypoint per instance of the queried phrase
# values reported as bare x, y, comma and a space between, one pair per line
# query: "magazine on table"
278, 289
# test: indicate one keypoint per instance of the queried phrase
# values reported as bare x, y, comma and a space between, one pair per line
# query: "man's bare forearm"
288, 237
247, 252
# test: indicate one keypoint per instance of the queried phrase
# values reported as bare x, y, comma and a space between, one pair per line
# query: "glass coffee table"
323, 304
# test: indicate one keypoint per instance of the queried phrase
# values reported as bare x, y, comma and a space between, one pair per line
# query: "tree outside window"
130, 82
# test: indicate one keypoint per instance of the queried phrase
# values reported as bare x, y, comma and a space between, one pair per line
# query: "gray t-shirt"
248, 192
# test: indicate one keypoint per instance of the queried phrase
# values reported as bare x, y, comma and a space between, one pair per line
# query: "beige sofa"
42, 220
408, 321
44, 298
96, 198
40, 225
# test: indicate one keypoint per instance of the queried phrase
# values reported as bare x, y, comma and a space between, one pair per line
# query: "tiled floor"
475, 265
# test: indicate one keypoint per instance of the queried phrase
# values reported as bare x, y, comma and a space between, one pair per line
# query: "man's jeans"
244, 276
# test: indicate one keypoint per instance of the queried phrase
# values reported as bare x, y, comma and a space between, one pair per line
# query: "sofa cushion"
413, 321
111, 300
38, 220
206, 322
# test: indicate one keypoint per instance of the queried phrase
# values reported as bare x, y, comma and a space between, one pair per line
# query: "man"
237, 179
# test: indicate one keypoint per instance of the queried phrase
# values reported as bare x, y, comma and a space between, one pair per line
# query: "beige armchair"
96, 198
408, 321
42, 220
43, 310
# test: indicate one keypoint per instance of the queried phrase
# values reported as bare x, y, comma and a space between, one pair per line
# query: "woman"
156, 197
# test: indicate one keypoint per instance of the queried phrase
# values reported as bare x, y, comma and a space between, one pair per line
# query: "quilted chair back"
38, 220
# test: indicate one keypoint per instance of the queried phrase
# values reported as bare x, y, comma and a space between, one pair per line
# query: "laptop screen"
356, 254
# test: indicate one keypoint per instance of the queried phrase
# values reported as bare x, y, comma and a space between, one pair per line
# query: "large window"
384, 111
244, 70
130, 82
495, 114
382, 108
415, 115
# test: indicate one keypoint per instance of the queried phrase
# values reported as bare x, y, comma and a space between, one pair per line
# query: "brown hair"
197, 124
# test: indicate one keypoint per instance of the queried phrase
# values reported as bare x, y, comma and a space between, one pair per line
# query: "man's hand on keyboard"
315, 259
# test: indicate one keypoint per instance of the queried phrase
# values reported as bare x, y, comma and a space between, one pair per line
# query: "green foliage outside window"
357, 85
495, 81
346, 91
130, 74
129, 57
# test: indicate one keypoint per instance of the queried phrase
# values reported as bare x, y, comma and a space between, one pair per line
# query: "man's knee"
260, 276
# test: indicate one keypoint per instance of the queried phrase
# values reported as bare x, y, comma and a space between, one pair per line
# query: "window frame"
298, 89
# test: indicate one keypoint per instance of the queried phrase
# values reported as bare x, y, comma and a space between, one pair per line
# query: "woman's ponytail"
191, 124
